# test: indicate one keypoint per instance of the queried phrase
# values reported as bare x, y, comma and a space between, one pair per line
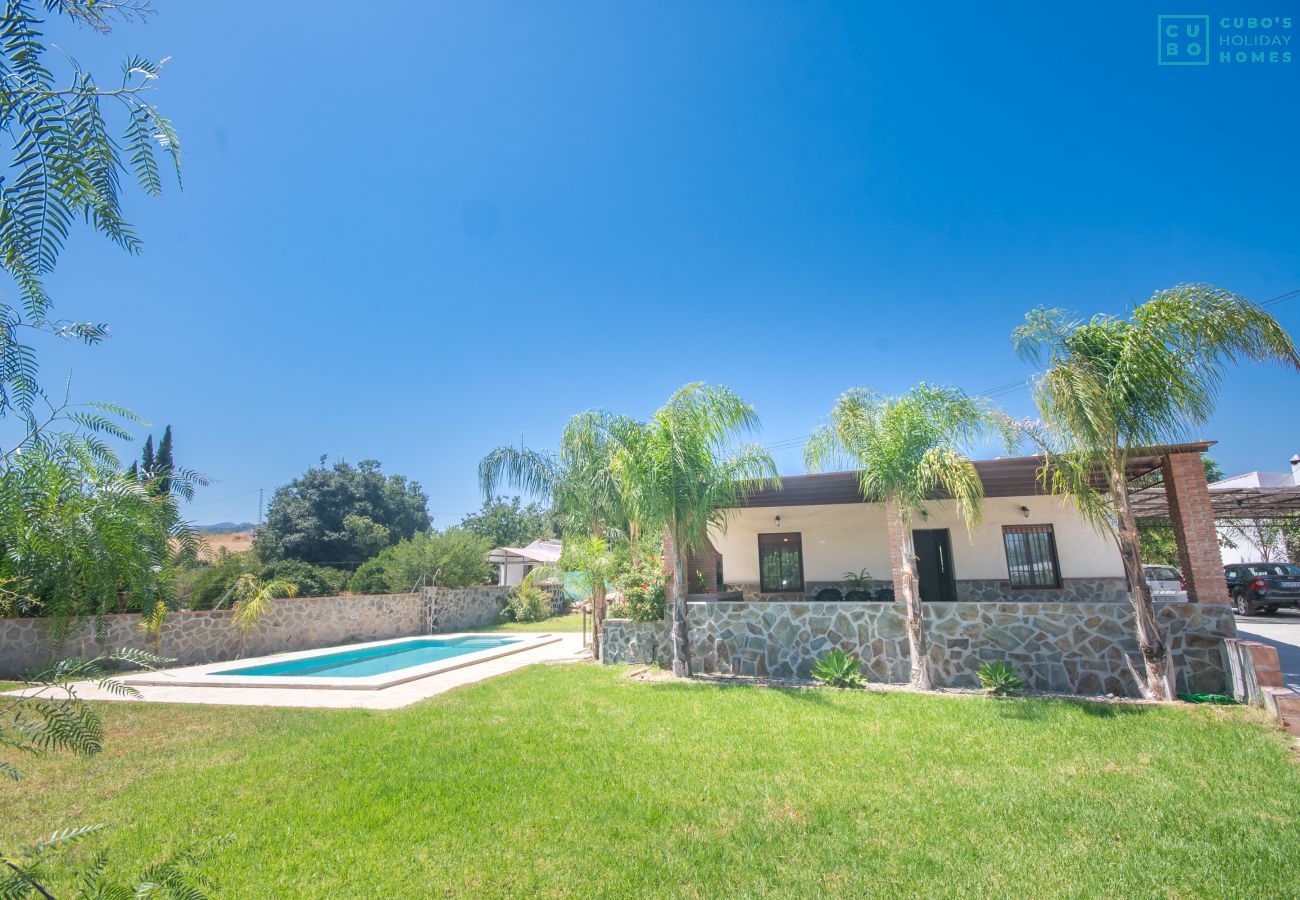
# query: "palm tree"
906, 449
253, 601
686, 469
579, 482
1111, 385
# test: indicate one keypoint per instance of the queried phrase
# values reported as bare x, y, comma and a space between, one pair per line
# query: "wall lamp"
778, 521
1025, 510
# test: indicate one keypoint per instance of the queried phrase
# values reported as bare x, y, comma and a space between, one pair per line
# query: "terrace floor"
568, 648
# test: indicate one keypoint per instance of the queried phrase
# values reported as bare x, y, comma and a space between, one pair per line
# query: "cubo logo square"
1182, 40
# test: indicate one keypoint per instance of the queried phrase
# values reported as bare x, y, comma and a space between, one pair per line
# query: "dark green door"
934, 565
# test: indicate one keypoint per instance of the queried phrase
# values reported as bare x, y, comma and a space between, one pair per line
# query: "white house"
815, 533
514, 563
1254, 540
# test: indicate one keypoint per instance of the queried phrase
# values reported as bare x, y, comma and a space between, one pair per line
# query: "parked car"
1266, 587
1165, 582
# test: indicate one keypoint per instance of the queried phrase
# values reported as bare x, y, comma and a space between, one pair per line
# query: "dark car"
1263, 586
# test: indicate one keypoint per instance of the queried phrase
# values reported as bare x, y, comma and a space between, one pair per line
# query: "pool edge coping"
199, 676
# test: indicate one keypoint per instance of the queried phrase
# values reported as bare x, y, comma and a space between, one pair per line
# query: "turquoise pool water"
375, 660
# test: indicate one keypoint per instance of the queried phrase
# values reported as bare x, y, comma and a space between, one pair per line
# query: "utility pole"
259, 507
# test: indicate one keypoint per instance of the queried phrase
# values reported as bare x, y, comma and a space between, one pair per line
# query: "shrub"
858, 597
457, 557
527, 603
371, 577
837, 669
643, 590
1000, 679
857, 581
311, 581
829, 595
202, 586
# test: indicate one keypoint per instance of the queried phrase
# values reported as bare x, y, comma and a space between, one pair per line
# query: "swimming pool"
357, 667
381, 660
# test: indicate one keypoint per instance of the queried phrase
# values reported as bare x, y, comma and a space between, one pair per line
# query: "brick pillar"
705, 561
895, 547
1192, 516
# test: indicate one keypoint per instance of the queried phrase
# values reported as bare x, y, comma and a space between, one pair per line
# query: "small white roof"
1255, 480
541, 551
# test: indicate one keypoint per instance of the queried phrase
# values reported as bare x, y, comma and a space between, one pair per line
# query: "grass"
576, 780
570, 622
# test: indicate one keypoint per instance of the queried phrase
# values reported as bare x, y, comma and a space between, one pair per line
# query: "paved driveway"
1282, 630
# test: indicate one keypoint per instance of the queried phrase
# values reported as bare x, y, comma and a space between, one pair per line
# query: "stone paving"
568, 649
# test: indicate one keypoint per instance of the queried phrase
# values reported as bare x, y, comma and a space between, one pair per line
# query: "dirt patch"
231, 542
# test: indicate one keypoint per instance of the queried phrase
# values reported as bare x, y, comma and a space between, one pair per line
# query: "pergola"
1229, 504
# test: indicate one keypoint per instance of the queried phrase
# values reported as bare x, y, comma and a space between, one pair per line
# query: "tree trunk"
633, 542
598, 605
1159, 673
912, 598
681, 651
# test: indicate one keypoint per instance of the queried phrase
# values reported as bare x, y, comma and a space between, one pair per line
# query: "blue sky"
421, 230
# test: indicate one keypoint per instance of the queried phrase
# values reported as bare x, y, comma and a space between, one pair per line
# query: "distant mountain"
224, 527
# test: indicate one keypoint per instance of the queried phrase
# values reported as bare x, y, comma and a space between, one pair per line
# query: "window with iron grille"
1031, 556
780, 562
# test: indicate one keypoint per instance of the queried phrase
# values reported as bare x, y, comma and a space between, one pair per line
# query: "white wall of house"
1251, 545
513, 573
839, 538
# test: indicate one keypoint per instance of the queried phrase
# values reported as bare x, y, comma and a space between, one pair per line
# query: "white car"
1166, 583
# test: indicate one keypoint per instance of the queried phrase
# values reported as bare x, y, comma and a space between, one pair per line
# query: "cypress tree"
163, 462
134, 472
146, 465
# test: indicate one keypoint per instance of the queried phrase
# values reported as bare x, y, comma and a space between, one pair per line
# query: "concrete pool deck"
562, 648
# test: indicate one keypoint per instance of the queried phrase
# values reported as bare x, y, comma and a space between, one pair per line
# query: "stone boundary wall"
299, 623
191, 638
973, 590
1080, 648
456, 609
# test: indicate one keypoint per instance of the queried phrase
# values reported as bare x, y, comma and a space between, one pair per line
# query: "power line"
223, 499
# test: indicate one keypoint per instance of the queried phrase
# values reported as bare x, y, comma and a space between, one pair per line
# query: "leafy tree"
164, 462
508, 523
308, 580
77, 536
67, 166
1267, 539
588, 501
1109, 386
205, 584
685, 469
451, 558
905, 449
328, 515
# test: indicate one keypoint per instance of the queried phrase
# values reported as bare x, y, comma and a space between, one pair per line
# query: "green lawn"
559, 780
570, 622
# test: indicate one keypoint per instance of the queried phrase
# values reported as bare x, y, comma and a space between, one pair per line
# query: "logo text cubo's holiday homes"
1199, 40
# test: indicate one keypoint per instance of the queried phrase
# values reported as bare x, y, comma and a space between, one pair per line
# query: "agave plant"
838, 669
1000, 679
